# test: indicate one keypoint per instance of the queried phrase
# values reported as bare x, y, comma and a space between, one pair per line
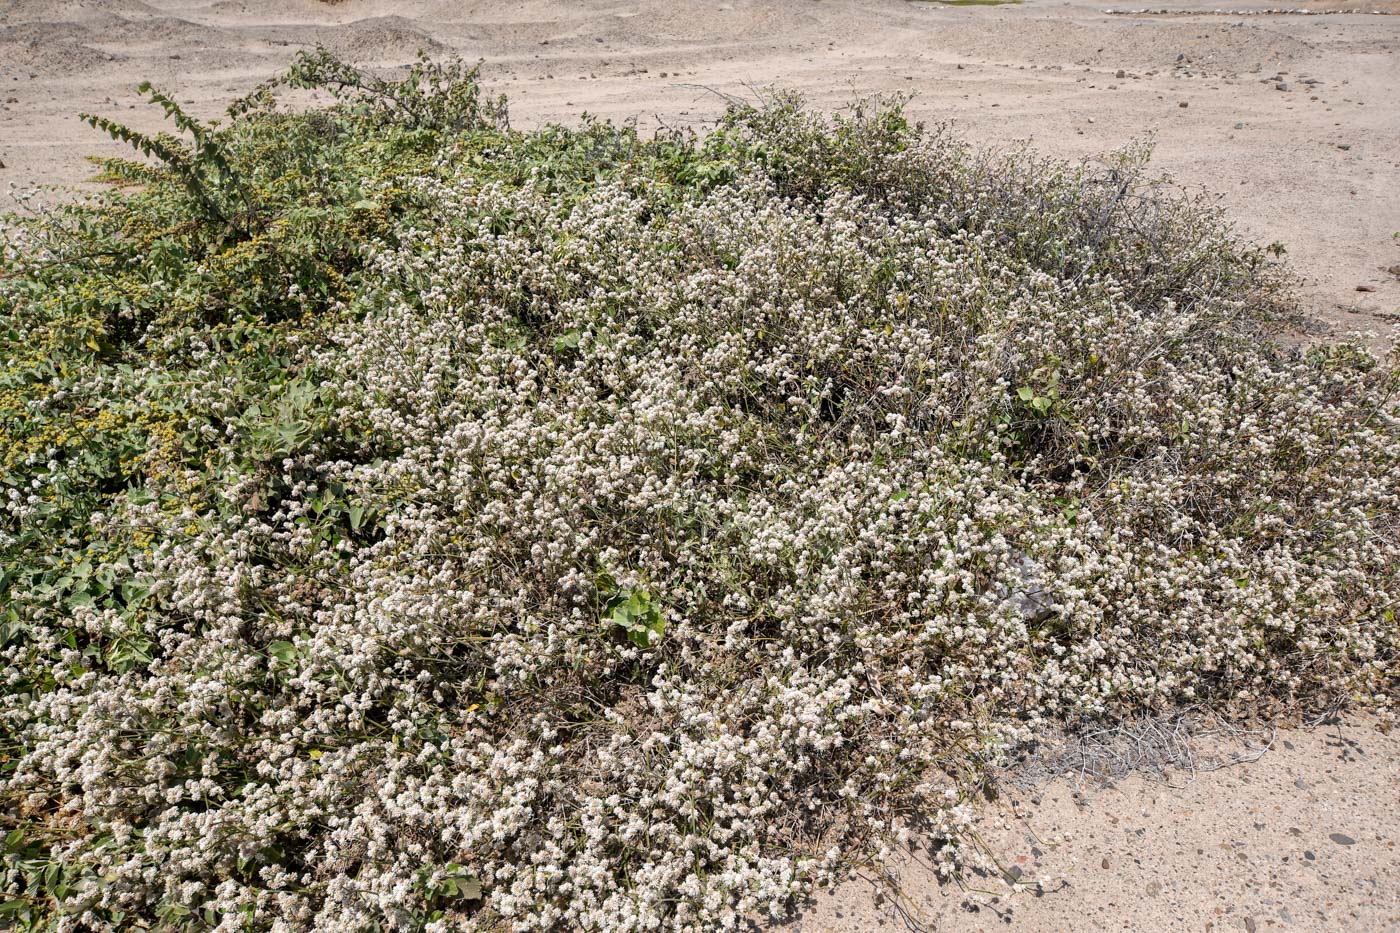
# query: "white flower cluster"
822, 438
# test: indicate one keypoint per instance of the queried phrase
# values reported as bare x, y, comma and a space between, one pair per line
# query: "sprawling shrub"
413, 523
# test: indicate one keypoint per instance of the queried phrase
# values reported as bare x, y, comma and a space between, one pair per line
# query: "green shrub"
411, 523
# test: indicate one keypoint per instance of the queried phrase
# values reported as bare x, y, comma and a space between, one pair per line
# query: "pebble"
1310, 855
1333, 837
1282, 86
1250, 925
1342, 839
1183, 104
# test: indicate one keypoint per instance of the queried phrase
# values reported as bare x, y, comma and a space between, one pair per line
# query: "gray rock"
1027, 594
1341, 839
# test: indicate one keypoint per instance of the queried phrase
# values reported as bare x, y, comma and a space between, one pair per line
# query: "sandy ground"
1293, 121
1303, 838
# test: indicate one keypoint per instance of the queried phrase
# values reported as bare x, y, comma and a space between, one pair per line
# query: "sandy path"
1293, 121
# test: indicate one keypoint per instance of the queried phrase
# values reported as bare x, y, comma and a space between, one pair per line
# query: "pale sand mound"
1294, 121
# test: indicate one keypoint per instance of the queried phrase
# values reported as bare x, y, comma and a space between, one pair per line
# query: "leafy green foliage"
635, 616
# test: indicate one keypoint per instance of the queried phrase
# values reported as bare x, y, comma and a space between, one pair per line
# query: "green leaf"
284, 651
639, 619
1025, 393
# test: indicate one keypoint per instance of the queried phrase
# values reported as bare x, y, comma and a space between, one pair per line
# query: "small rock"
1342, 839
1015, 872
1282, 86
1183, 104
1239, 126
1310, 855
1120, 73
1028, 594
1250, 925
1394, 270
1104, 864
1154, 888
1359, 288
1300, 784
1344, 146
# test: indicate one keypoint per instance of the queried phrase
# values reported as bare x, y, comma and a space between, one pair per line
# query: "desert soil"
1292, 121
